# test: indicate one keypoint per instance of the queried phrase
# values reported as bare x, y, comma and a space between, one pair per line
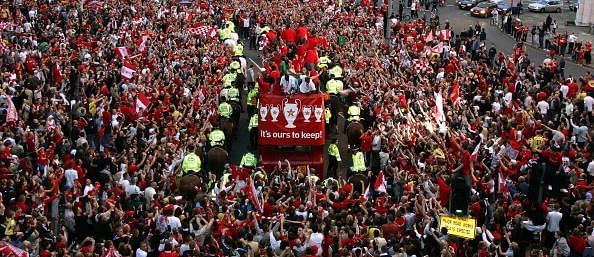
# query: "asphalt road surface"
459, 20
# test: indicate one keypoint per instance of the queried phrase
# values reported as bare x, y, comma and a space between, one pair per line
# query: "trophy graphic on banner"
291, 111
274, 112
263, 112
306, 112
318, 111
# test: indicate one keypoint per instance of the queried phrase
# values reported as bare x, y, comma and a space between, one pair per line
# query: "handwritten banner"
458, 226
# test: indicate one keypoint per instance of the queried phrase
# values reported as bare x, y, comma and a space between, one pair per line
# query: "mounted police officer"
191, 163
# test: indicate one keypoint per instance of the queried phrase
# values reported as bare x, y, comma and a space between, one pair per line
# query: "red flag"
445, 35
439, 114
190, 16
141, 44
112, 252
57, 73
7, 249
422, 66
122, 52
253, 195
213, 32
501, 183
429, 37
437, 48
202, 94
455, 95
200, 30
380, 183
128, 70
94, 4
5, 25
142, 102
12, 115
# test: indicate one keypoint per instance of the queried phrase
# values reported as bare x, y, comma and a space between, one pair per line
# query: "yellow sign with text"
459, 226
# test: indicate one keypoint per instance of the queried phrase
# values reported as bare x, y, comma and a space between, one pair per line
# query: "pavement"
460, 20
565, 23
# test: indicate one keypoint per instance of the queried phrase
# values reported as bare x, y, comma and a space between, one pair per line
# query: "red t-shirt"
573, 89
168, 254
365, 143
390, 230
553, 158
271, 35
42, 158
289, 35
444, 192
466, 162
311, 56
379, 206
302, 32
268, 209
577, 243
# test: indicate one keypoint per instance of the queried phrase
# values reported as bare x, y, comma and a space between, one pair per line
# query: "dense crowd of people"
102, 101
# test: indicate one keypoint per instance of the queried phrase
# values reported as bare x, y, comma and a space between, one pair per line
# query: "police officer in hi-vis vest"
358, 162
253, 130
333, 159
354, 115
191, 163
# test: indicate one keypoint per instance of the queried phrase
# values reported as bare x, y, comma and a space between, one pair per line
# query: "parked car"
467, 4
186, 2
502, 7
546, 6
574, 5
483, 9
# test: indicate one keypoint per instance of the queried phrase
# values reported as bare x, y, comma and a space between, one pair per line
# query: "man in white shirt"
71, 175
132, 188
288, 84
306, 86
571, 39
316, 239
588, 102
554, 219
543, 107
245, 27
564, 89
166, 221
142, 250
174, 222
591, 168
495, 106
88, 188
508, 98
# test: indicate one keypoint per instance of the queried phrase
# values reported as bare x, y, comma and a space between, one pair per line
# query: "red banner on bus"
291, 120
